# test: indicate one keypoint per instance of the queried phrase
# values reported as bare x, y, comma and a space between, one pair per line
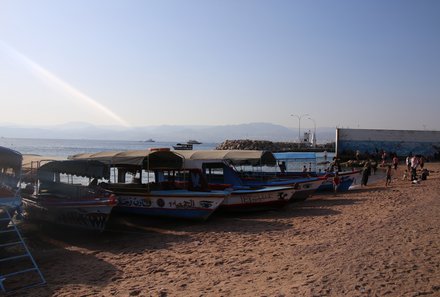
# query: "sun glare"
54, 80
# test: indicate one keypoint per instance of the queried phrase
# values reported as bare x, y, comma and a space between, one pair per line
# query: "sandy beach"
373, 241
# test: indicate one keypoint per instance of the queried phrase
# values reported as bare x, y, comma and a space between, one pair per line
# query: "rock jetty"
265, 145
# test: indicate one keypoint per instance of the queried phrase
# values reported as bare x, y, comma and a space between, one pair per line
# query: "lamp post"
299, 117
314, 131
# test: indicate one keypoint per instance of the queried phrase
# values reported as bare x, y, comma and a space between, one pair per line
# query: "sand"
374, 241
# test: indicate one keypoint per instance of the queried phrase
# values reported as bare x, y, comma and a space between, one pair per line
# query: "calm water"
67, 147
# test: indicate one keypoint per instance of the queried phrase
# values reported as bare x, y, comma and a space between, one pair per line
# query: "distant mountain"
80, 130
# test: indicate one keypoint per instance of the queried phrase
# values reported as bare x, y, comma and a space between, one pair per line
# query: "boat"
305, 186
10, 174
183, 146
348, 178
217, 166
145, 182
67, 192
192, 141
150, 140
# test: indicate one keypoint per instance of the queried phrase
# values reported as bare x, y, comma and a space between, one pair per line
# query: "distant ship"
192, 141
183, 146
149, 140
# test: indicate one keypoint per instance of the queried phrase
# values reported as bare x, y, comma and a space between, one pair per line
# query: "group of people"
413, 163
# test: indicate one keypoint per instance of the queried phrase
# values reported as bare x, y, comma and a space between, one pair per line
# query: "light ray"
43, 73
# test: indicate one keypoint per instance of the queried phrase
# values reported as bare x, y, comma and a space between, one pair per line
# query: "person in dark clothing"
366, 172
424, 174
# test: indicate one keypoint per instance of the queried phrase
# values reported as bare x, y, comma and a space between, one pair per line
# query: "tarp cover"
10, 158
236, 157
147, 159
87, 168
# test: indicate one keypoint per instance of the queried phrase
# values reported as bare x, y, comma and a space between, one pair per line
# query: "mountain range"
80, 130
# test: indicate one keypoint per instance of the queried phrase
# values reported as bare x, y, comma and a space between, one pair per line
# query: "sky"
358, 64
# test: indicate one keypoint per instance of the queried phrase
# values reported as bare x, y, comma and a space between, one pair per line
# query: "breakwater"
247, 144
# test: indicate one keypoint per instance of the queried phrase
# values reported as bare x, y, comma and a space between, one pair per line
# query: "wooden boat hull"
244, 200
90, 213
180, 204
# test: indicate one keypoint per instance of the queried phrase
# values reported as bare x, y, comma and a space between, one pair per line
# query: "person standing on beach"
408, 162
336, 182
415, 162
366, 173
388, 179
395, 162
282, 166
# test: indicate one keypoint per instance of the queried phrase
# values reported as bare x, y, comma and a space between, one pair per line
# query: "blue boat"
294, 160
304, 187
217, 166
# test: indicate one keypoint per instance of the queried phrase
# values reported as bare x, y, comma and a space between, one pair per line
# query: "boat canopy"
84, 168
31, 161
194, 159
155, 159
10, 159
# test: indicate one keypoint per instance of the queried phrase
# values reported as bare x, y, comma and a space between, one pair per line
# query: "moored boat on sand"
67, 193
217, 166
145, 182
304, 186
10, 173
288, 160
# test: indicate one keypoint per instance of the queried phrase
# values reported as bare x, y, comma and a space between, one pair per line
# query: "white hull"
266, 198
174, 204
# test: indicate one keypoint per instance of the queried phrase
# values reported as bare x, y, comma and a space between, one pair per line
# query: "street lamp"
299, 117
314, 131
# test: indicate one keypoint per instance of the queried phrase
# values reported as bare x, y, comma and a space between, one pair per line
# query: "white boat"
192, 141
183, 146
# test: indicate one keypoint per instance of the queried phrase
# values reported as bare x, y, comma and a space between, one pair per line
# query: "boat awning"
10, 158
194, 159
85, 168
156, 159
31, 161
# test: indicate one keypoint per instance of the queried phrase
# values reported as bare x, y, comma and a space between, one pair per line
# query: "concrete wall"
401, 142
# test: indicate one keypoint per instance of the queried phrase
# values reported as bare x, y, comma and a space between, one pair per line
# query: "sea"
62, 148
67, 147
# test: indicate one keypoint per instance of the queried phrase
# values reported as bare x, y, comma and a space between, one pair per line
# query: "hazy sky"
367, 64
